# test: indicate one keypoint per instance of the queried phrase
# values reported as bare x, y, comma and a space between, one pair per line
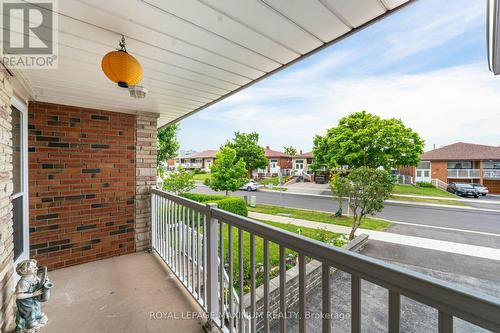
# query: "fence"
211, 230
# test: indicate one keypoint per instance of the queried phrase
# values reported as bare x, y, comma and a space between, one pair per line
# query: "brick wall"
82, 184
145, 177
6, 226
439, 170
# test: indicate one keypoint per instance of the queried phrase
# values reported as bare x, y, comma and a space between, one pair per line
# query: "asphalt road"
479, 222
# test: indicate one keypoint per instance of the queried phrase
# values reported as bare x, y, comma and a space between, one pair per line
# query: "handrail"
456, 301
453, 300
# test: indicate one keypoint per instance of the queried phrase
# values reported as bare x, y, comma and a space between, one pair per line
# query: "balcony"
491, 173
464, 173
190, 238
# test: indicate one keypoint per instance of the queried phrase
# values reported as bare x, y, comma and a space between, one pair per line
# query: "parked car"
481, 189
463, 190
252, 185
320, 179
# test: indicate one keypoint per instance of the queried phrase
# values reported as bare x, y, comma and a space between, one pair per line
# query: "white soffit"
193, 52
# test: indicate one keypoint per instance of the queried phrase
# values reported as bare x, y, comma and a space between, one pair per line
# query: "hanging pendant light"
122, 68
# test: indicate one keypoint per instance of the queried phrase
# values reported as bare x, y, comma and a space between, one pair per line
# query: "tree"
363, 139
247, 148
367, 189
229, 173
338, 186
167, 143
179, 181
290, 151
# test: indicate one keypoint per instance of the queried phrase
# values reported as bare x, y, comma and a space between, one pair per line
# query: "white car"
252, 185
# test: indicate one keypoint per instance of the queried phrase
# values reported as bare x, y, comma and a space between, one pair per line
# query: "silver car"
482, 190
252, 185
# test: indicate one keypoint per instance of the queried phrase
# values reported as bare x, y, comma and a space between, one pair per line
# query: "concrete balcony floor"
118, 295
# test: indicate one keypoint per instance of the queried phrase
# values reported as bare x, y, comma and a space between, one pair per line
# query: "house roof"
304, 155
205, 154
193, 53
463, 151
274, 153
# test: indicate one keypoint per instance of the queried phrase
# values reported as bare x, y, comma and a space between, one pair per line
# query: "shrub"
234, 205
425, 184
203, 197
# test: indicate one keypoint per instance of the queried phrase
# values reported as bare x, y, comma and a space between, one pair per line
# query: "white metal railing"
404, 180
491, 173
439, 183
212, 229
464, 173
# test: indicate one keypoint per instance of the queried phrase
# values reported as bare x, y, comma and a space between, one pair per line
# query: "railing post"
212, 267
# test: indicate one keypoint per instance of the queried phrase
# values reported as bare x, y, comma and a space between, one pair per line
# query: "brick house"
302, 162
277, 161
460, 162
204, 159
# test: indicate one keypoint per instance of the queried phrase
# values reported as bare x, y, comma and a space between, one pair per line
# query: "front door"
20, 180
423, 172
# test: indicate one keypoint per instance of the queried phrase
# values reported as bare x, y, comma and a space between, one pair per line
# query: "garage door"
493, 185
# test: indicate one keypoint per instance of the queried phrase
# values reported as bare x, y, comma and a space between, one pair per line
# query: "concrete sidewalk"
426, 243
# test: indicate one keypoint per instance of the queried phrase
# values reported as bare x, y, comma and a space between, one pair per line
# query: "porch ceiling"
194, 53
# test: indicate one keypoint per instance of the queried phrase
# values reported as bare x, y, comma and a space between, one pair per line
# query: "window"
299, 164
425, 165
19, 194
16, 150
273, 163
460, 165
491, 165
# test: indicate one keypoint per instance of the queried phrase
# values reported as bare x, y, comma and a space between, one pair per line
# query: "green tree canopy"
229, 172
290, 151
167, 142
363, 139
179, 181
366, 188
247, 148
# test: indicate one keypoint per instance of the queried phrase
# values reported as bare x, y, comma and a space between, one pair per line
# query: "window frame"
24, 191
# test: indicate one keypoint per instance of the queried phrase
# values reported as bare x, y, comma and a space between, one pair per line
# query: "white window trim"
23, 108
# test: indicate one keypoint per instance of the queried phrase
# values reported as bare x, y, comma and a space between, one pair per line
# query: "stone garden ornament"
32, 289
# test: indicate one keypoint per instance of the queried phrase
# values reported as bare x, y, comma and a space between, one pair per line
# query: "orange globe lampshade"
122, 68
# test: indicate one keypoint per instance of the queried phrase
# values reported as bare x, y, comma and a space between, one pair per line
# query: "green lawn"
426, 191
273, 180
201, 176
310, 215
432, 201
318, 234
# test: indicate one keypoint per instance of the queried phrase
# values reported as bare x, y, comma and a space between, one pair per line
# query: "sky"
426, 65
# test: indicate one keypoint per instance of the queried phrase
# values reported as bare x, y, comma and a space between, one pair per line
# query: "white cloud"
433, 24
444, 106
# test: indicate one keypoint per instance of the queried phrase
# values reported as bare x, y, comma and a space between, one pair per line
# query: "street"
450, 224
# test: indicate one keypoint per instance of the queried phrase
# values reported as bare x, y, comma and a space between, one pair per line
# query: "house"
302, 162
204, 159
278, 161
79, 156
183, 159
460, 162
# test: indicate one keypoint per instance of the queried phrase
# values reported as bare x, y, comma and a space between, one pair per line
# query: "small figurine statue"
30, 291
